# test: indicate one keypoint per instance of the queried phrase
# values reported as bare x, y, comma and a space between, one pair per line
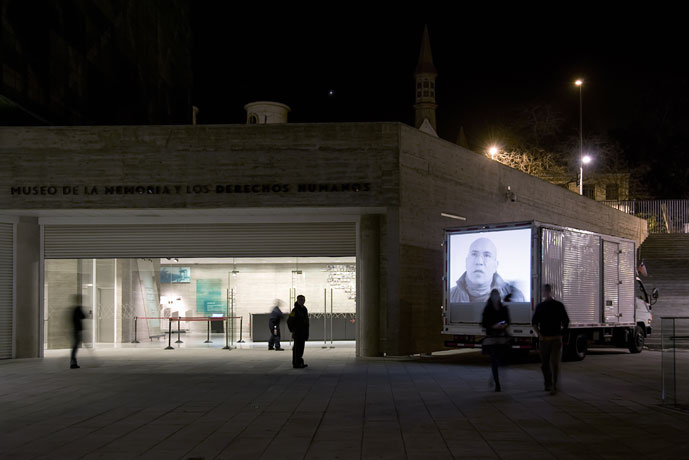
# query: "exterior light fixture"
493, 151
452, 216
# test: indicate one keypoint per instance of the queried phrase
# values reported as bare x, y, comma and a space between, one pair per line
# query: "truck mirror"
654, 296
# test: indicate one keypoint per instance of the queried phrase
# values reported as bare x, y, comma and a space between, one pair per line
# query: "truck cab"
643, 303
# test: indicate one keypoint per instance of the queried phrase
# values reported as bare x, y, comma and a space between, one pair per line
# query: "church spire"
425, 85
425, 64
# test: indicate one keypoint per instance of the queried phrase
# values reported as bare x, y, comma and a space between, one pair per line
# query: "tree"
539, 146
535, 161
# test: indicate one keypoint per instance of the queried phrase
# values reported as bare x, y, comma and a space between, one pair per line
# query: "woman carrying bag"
496, 318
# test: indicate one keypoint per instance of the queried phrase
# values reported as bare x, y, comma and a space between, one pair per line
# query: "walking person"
298, 324
495, 319
274, 326
77, 316
549, 322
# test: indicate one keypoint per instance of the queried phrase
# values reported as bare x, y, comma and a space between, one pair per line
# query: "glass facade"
116, 293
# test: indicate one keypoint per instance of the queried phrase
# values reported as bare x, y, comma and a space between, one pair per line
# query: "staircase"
667, 261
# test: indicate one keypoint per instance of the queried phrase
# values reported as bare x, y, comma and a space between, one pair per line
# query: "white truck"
593, 274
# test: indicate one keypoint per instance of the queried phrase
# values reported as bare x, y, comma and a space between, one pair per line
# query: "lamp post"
580, 84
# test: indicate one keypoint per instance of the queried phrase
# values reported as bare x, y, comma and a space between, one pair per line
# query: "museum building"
206, 220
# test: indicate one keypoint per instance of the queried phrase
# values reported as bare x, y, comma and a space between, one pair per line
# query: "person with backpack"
298, 324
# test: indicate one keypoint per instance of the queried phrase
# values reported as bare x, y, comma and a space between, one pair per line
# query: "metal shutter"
581, 277
6, 289
319, 239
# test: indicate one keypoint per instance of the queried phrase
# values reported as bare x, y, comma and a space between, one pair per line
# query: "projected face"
474, 269
481, 262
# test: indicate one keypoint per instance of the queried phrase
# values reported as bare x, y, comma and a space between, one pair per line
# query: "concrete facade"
394, 179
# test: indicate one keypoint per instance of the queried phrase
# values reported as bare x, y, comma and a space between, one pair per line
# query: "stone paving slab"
250, 404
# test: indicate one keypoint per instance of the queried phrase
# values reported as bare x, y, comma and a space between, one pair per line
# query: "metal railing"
663, 216
674, 333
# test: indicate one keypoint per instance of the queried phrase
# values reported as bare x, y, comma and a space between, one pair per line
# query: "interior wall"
61, 284
141, 294
107, 311
256, 286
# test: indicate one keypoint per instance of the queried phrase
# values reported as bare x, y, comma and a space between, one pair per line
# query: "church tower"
425, 87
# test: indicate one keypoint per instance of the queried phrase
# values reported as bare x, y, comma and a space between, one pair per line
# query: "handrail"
663, 216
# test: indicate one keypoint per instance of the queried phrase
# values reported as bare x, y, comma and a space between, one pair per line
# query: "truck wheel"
636, 342
576, 350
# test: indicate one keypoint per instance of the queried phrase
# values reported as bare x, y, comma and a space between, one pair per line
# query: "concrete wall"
193, 161
437, 176
28, 317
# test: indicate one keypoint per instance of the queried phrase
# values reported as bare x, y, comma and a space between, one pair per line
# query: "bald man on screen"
481, 276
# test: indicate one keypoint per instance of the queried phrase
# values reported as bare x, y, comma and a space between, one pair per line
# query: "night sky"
492, 64
489, 69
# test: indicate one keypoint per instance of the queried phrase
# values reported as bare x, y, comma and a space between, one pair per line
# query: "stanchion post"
179, 325
291, 305
136, 320
241, 329
325, 318
208, 334
232, 318
169, 335
227, 333
331, 318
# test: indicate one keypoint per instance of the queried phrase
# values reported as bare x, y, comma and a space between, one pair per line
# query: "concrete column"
27, 282
395, 318
368, 266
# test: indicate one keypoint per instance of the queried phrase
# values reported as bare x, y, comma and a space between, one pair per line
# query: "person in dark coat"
298, 324
274, 326
549, 323
77, 316
495, 319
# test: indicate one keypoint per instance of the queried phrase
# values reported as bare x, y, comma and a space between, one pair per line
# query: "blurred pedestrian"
274, 326
77, 316
495, 319
549, 322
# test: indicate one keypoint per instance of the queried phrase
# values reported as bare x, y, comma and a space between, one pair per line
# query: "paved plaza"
250, 404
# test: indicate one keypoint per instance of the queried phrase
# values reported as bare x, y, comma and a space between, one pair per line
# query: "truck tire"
576, 349
637, 339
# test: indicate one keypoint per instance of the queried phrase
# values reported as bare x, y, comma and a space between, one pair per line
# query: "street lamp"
586, 159
580, 84
493, 151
